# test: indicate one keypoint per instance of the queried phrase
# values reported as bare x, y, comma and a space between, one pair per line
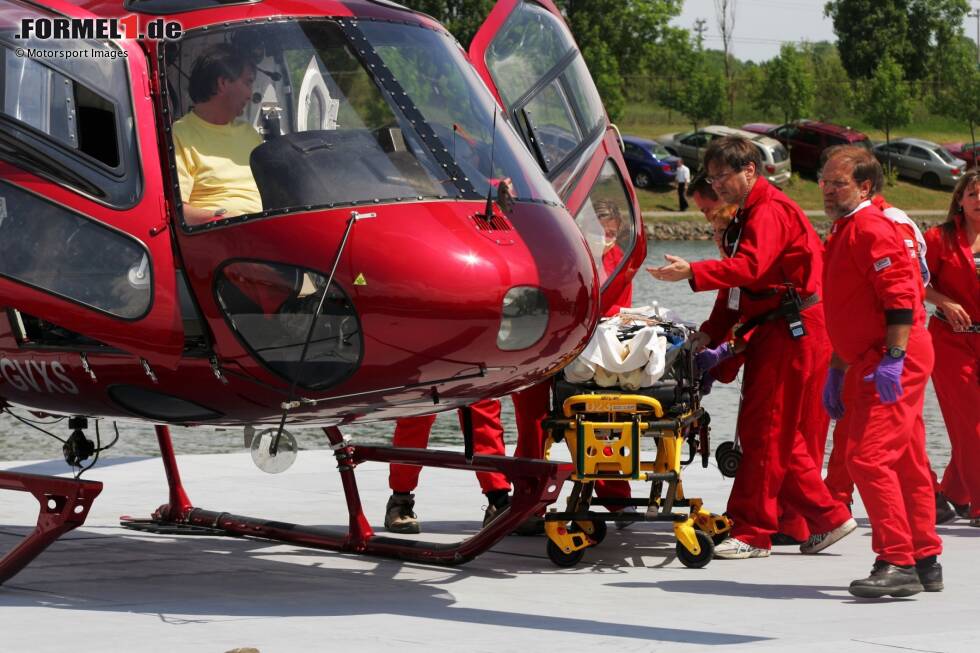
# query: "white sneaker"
735, 549
821, 541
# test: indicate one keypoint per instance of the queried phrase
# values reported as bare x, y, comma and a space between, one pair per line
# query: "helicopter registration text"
37, 376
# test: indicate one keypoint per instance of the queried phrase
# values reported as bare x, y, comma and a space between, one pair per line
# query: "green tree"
958, 96
702, 97
833, 94
790, 83
909, 31
888, 103
461, 17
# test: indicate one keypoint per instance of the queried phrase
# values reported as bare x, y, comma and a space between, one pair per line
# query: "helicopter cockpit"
333, 135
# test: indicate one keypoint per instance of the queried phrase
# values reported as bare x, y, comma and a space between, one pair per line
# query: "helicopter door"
527, 56
84, 238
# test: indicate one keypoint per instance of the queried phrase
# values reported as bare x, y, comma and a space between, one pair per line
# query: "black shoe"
887, 579
944, 512
399, 515
962, 509
930, 574
782, 539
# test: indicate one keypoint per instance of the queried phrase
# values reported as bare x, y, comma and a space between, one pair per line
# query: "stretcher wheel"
692, 561
728, 457
562, 559
599, 530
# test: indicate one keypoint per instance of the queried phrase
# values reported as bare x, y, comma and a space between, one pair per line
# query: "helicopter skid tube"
537, 484
64, 505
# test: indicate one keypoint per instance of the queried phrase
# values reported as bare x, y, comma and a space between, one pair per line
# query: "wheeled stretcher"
605, 430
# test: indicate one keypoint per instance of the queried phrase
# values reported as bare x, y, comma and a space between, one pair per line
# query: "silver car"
690, 146
928, 162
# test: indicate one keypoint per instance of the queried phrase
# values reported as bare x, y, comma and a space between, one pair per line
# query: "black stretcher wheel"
692, 561
562, 559
728, 457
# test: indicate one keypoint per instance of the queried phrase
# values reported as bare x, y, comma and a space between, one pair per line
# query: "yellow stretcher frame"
609, 449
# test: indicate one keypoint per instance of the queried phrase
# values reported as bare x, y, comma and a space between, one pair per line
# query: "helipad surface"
104, 588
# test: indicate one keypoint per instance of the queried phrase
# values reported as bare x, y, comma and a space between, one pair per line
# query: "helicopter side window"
606, 221
545, 84
49, 247
68, 118
270, 307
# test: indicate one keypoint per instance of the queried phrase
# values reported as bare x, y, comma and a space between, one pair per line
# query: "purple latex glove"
706, 382
708, 358
888, 379
832, 401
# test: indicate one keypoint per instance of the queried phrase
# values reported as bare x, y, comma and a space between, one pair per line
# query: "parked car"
928, 162
690, 146
966, 151
648, 162
759, 127
807, 139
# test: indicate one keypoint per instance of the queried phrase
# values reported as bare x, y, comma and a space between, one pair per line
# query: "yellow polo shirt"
212, 164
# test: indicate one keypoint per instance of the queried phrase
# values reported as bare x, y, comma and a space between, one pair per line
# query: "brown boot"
399, 517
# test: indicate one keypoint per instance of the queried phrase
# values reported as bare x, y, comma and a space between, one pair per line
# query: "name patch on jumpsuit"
882, 263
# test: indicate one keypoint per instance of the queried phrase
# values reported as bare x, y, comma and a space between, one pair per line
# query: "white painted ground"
103, 588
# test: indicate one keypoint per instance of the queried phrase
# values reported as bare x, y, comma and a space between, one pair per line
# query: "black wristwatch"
896, 353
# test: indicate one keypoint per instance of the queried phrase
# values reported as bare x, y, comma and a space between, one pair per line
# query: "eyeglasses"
836, 184
714, 179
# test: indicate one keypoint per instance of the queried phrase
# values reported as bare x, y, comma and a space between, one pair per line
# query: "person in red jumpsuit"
838, 479
413, 432
793, 529
773, 277
954, 259
874, 304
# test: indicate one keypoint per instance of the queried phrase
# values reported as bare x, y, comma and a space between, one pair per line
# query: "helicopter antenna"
488, 211
291, 399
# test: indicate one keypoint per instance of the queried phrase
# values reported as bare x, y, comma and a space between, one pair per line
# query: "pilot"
211, 147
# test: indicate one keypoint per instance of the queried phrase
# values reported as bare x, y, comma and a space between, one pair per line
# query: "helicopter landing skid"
64, 505
537, 484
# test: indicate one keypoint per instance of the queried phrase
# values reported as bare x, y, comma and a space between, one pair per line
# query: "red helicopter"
384, 275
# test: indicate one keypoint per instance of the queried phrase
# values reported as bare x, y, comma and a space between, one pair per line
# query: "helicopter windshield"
343, 113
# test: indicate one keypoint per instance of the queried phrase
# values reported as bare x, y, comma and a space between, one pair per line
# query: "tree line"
888, 54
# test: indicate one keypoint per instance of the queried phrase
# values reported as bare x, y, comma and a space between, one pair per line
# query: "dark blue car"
648, 162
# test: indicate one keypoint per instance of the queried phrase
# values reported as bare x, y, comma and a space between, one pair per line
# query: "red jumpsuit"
838, 479
488, 438
783, 376
870, 280
957, 373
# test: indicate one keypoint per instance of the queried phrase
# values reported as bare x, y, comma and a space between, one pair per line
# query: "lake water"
19, 442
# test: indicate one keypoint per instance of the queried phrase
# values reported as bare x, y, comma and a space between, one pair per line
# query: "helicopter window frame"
84, 222
385, 82
608, 174
568, 70
118, 187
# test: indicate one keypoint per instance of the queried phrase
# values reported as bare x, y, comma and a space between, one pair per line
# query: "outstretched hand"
676, 269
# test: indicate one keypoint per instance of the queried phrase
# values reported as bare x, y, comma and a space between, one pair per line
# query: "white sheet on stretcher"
634, 363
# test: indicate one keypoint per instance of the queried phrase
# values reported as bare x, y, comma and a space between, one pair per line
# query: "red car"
966, 151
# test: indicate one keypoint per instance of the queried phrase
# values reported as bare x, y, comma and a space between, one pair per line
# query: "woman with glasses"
953, 256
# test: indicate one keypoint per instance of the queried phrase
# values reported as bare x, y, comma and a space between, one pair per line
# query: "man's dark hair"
866, 166
735, 152
220, 61
699, 185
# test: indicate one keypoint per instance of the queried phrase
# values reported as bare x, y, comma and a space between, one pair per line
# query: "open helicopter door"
526, 54
84, 237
